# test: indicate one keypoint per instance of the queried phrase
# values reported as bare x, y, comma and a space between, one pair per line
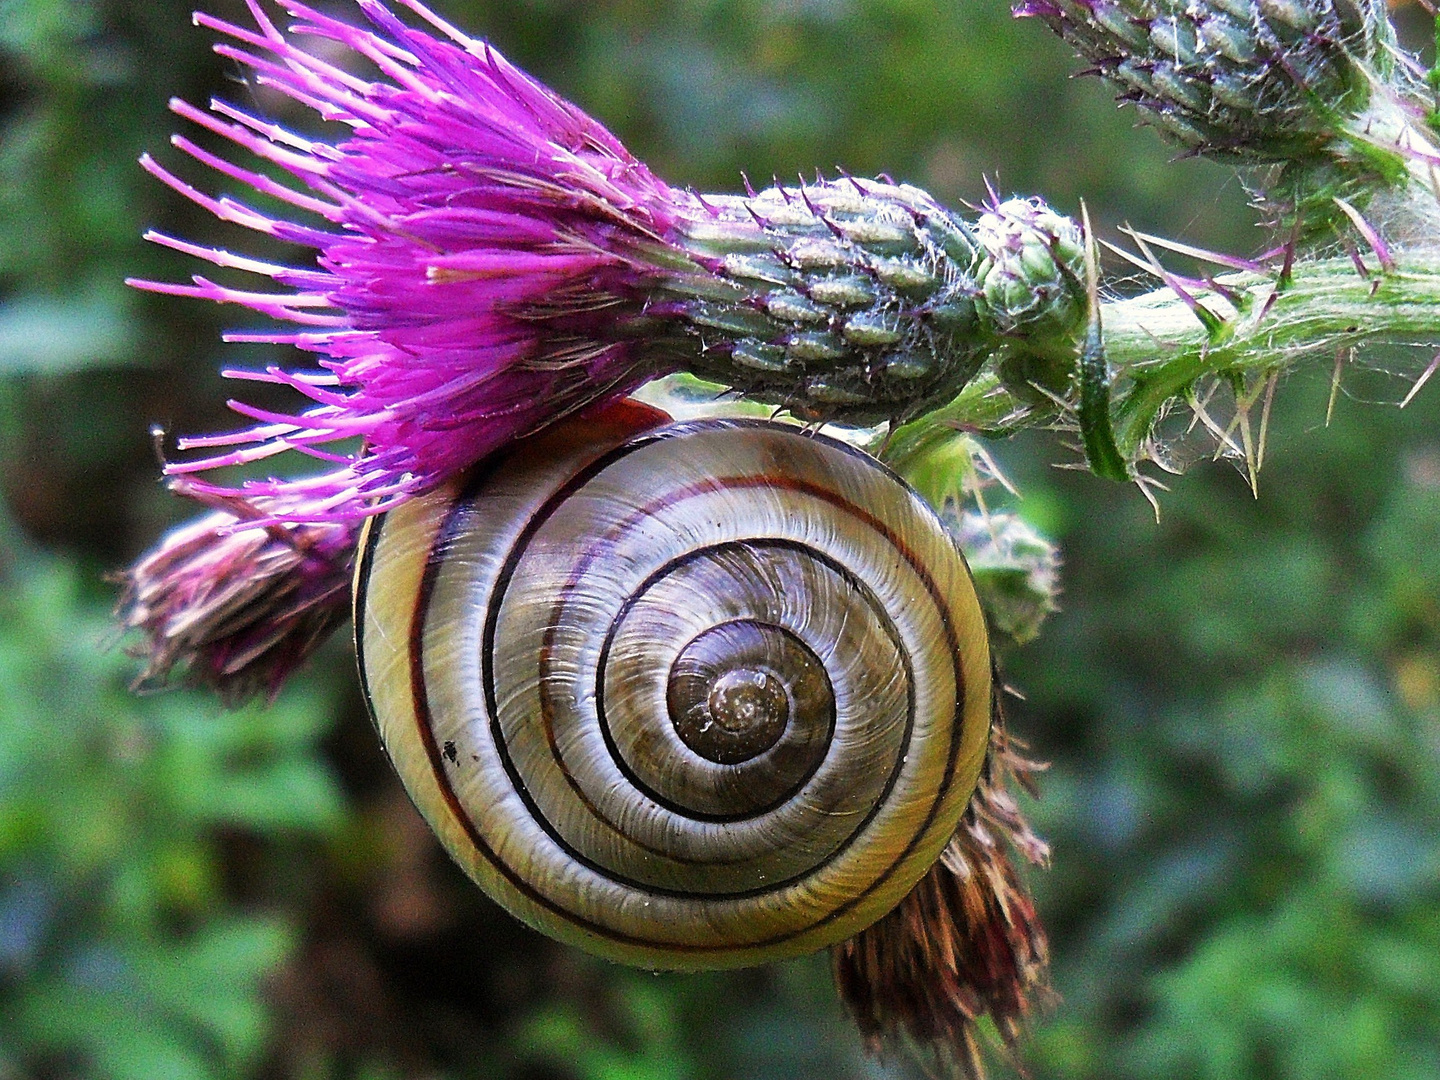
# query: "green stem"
1164, 349
1157, 347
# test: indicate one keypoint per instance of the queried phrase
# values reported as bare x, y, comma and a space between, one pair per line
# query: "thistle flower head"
472, 231
1258, 80
488, 259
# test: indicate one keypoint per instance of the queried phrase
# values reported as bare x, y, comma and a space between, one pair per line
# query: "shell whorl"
699, 696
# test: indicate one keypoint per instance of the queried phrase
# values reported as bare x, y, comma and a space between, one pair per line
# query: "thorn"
1064, 406
1224, 443
1275, 292
1144, 483
1229, 293
1194, 404
885, 178
749, 191
1247, 438
805, 195
1421, 381
1232, 261
1335, 385
1153, 453
1368, 231
1214, 325
1355, 259
993, 469
1288, 267
992, 193
1265, 418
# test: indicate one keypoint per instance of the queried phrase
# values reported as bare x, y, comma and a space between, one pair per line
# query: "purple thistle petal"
468, 196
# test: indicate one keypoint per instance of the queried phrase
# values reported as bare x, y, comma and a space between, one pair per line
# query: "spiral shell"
699, 696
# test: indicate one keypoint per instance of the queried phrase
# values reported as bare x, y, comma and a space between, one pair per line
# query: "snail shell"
699, 696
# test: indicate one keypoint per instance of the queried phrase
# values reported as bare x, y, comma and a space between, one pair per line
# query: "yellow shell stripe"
657, 930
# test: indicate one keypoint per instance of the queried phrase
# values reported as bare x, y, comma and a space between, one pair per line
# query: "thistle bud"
851, 300
1016, 570
1031, 277
1259, 80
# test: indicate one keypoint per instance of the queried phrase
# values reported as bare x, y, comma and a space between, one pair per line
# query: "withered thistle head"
237, 606
966, 943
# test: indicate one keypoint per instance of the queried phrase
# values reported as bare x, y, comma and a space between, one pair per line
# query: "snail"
687, 695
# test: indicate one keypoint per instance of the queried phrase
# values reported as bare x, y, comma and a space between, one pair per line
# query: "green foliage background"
1242, 703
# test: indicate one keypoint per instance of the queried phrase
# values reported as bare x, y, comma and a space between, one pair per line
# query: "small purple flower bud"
1016, 570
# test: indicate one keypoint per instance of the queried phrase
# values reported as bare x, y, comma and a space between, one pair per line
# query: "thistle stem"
1161, 347
1158, 348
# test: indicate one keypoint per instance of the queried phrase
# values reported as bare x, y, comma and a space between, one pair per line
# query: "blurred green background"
1242, 703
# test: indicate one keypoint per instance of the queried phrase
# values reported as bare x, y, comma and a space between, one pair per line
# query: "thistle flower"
490, 259
1257, 80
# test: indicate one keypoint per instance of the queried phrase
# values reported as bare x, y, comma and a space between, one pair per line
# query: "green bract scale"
849, 300
1261, 80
